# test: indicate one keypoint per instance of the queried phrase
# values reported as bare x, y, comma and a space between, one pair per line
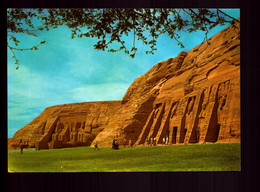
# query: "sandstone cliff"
193, 98
66, 125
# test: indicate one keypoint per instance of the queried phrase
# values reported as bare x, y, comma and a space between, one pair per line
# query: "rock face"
67, 125
193, 98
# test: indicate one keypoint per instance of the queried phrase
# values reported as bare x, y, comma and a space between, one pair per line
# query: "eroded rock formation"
193, 98
67, 125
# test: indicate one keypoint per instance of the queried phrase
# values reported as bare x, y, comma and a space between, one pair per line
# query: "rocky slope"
193, 98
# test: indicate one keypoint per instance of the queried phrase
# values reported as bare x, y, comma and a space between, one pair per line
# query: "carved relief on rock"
224, 107
222, 99
158, 115
153, 123
189, 117
58, 129
217, 114
174, 109
64, 135
172, 125
176, 124
202, 115
181, 107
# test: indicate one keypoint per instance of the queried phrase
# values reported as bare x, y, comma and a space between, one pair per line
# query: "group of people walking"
165, 140
149, 142
152, 141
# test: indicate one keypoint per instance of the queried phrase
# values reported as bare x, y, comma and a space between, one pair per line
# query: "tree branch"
14, 56
228, 15
24, 49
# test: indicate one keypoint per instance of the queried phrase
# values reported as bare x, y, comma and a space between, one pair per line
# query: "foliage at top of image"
112, 25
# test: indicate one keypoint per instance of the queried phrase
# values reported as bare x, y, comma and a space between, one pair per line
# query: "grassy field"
203, 157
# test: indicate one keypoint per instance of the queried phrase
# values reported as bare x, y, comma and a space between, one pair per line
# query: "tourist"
151, 143
163, 140
131, 142
21, 149
166, 140
154, 142
115, 144
96, 146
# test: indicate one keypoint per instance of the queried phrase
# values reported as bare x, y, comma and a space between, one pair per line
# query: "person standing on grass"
151, 143
115, 144
166, 140
21, 149
131, 142
96, 146
163, 140
21, 146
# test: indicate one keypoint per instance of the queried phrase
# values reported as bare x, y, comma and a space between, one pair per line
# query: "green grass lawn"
194, 157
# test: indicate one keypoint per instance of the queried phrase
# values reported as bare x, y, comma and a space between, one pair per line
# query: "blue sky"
66, 70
